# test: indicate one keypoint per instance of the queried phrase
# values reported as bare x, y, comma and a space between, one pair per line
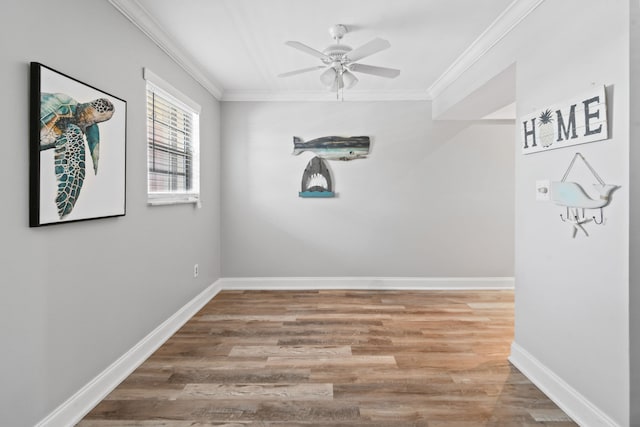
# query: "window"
172, 144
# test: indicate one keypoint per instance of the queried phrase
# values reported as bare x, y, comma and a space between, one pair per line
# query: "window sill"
172, 200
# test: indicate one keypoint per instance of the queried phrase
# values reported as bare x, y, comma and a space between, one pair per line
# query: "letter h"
531, 133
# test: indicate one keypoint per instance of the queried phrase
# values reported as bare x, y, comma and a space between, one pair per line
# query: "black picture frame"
77, 150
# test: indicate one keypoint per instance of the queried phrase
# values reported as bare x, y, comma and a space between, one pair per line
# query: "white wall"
75, 297
433, 199
572, 295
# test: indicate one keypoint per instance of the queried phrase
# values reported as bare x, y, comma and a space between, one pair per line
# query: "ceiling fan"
339, 61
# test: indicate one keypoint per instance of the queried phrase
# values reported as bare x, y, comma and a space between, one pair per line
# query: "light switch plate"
543, 190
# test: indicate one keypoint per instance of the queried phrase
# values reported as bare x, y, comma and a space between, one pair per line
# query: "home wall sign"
576, 121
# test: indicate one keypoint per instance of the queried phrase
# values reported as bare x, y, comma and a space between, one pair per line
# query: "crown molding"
507, 21
324, 96
141, 18
510, 18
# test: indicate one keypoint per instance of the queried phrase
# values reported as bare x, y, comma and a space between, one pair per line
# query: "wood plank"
288, 351
245, 318
289, 392
158, 423
548, 415
239, 376
324, 362
141, 393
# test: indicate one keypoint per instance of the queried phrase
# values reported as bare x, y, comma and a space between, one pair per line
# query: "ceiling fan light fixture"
328, 77
349, 79
338, 84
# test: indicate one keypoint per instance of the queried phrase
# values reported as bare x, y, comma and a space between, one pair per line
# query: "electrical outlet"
195, 270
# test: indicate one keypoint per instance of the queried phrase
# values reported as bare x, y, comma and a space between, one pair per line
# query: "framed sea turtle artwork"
77, 150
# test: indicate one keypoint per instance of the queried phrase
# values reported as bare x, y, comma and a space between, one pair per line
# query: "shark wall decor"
577, 201
316, 179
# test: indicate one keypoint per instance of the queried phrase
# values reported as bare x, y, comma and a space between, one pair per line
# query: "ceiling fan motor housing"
336, 52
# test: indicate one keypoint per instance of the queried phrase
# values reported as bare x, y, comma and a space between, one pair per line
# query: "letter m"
570, 128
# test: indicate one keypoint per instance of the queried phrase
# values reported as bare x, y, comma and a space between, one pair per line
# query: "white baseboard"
85, 399
367, 283
578, 407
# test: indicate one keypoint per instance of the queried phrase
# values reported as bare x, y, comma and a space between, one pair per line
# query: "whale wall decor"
334, 147
577, 201
572, 194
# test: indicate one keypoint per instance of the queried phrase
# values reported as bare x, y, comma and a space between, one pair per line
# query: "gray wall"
572, 295
433, 199
634, 232
75, 297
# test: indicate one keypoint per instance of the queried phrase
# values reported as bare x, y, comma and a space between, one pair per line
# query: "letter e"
588, 116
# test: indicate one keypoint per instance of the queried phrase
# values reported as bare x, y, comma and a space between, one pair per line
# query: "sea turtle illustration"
64, 125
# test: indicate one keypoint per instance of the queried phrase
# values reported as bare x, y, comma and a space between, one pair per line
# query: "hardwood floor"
335, 358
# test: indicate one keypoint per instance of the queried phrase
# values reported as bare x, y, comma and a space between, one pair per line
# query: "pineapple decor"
547, 135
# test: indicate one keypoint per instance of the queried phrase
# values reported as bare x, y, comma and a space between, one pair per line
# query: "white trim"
162, 199
141, 18
562, 394
323, 95
85, 399
367, 283
168, 91
507, 21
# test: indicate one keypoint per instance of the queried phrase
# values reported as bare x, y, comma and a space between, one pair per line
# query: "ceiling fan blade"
367, 49
307, 49
389, 73
303, 70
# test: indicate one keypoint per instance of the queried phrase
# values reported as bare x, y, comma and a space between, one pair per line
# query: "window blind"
172, 146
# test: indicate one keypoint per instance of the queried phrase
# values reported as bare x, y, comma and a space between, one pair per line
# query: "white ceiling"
236, 49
